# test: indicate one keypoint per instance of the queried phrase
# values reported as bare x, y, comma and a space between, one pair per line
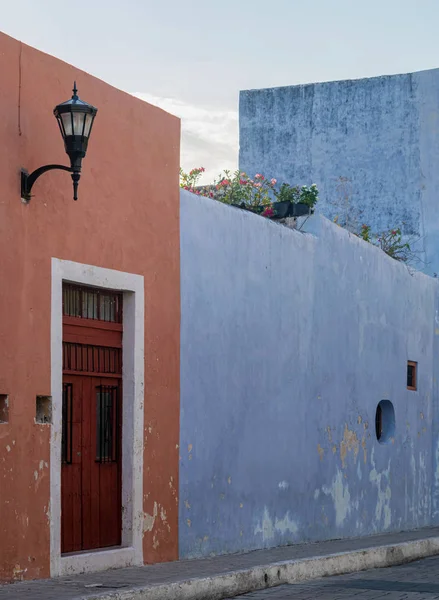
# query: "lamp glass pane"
88, 123
67, 122
78, 123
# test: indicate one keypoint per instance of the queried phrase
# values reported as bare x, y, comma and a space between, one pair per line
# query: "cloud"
209, 136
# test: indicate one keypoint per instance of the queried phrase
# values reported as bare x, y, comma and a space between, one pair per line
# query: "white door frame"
131, 551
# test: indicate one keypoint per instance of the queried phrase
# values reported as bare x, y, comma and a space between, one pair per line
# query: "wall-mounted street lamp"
75, 119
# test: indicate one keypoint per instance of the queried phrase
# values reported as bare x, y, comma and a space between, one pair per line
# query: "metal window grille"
90, 303
107, 423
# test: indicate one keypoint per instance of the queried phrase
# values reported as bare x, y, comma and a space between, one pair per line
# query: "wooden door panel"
71, 484
91, 475
107, 427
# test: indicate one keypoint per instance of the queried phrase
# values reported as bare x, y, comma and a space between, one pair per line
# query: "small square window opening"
4, 408
412, 375
43, 410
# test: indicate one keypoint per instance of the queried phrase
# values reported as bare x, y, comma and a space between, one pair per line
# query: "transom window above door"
92, 303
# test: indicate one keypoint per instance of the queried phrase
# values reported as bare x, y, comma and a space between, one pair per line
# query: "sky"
192, 57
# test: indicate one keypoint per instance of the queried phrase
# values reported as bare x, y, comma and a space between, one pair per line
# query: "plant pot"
299, 210
281, 209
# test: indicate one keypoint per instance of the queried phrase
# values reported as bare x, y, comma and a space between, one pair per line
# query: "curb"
234, 583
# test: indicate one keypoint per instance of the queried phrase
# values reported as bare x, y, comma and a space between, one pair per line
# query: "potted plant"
292, 201
308, 197
286, 196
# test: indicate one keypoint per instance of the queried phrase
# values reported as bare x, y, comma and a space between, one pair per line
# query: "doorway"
91, 457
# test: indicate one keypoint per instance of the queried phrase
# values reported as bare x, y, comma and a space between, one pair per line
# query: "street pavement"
414, 581
220, 576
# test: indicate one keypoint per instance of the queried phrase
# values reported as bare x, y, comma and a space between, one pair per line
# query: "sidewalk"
226, 576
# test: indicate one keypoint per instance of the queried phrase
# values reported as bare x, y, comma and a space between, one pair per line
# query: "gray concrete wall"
288, 342
380, 133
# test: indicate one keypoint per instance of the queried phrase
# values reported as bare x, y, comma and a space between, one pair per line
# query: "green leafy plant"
309, 195
238, 188
287, 193
295, 194
365, 233
189, 181
392, 243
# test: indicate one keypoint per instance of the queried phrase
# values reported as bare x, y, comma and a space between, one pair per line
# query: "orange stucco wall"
126, 218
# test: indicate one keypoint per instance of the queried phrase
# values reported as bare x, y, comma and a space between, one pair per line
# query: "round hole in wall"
385, 421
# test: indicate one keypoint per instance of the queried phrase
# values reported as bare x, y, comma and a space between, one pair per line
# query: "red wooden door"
91, 504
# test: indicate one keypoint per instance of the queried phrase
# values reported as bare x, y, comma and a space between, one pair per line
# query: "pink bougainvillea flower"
273, 181
243, 181
258, 185
393, 232
258, 176
268, 212
225, 182
243, 174
211, 194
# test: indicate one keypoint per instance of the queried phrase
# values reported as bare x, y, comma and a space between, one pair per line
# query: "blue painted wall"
381, 133
288, 342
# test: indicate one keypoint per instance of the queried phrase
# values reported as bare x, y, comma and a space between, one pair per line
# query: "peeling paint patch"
382, 509
268, 527
164, 518
339, 491
320, 451
18, 573
349, 443
283, 485
149, 520
363, 445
